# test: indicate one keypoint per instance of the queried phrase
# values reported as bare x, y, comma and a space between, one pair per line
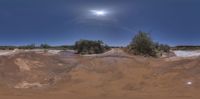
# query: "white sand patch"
27, 65
28, 85
54, 51
180, 53
112, 52
34, 50
2, 52
106, 53
23, 65
10, 52
39, 51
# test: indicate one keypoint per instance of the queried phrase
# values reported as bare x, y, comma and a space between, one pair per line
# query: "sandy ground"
112, 75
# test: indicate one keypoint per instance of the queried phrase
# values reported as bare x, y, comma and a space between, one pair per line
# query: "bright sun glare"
98, 12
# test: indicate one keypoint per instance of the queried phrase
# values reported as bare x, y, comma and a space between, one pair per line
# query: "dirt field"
112, 75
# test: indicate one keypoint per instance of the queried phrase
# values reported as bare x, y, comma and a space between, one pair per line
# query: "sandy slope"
112, 75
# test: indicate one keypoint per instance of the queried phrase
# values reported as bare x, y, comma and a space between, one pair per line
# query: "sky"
62, 22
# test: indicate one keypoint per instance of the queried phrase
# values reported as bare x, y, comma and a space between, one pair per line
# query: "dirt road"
112, 75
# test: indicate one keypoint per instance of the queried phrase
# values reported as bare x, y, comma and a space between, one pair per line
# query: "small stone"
189, 83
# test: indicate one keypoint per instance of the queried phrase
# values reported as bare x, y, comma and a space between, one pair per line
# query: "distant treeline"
186, 47
141, 44
33, 46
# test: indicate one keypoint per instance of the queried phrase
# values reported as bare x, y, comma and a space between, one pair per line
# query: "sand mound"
23, 64
29, 69
112, 75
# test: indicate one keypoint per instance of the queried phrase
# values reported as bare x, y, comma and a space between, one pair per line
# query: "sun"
98, 12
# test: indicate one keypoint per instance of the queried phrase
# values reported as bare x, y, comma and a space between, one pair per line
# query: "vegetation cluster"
90, 47
142, 44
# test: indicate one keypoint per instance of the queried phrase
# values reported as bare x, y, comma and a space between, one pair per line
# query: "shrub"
164, 47
90, 47
142, 44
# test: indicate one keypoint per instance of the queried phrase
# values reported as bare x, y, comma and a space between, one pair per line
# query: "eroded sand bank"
112, 75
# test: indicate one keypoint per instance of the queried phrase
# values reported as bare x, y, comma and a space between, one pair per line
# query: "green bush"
164, 47
90, 47
142, 44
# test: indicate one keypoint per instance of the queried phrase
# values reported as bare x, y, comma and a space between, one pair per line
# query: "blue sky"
58, 22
